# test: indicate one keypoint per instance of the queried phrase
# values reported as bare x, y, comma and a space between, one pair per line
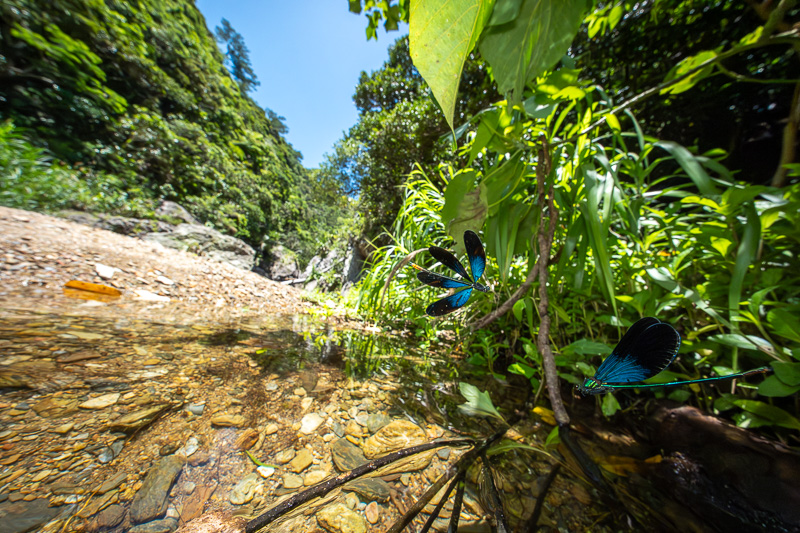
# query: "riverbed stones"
150, 501
395, 436
346, 456
301, 461
21, 516
370, 489
164, 525
376, 421
310, 423
226, 420
247, 439
292, 481
245, 490
284, 456
313, 477
137, 419
55, 407
113, 482
337, 518
372, 512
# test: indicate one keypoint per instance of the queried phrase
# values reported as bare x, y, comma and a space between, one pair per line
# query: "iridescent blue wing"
449, 304
437, 280
450, 261
475, 253
647, 348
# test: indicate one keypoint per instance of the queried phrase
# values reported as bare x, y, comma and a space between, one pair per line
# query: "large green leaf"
441, 34
774, 415
745, 257
465, 206
522, 49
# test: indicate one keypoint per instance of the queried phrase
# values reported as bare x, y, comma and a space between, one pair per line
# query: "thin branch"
545, 242
323, 488
784, 38
789, 140
533, 521
461, 465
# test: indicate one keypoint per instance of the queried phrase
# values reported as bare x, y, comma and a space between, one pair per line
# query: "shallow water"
97, 397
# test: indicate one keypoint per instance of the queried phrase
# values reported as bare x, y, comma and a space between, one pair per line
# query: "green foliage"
29, 179
644, 227
399, 126
137, 96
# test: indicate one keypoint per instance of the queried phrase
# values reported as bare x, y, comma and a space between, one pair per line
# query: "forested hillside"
134, 97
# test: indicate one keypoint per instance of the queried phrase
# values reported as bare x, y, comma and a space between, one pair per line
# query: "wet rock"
55, 407
392, 437
313, 477
21, 516
104, 271
165, 525
372, 512
338, 429
151, 499
168, 449
244, 491
106, 455
376, 421
113, 482
265, 471
370, 489
191, 446
226, 420
301, 461
352, 428
137, 420
247, 439
310, 423
271, 429
346, 456
196, 409
188, 487
109, 517
216, 521
337, 518
292, 481
351, 500
284, 456
64, 428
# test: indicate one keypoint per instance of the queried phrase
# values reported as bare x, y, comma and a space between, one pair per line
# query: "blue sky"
308, 56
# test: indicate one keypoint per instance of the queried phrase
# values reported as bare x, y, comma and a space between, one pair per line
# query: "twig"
442, 500
461, 465
321, 489
497, 502
533, 522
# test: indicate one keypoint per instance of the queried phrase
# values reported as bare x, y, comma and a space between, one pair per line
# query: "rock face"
282, 264
188, 235
173, 211
207, 242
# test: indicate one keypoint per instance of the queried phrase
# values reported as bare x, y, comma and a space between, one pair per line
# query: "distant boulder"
207, 242
281, 264
174, 212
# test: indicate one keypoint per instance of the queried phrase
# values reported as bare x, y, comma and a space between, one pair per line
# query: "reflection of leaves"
478, 402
